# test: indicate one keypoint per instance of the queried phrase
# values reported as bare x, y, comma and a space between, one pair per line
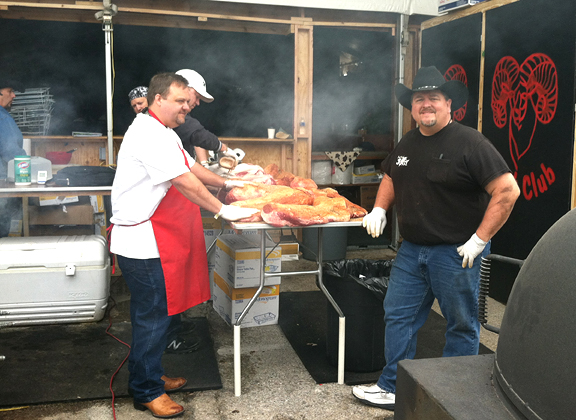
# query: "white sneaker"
375, 396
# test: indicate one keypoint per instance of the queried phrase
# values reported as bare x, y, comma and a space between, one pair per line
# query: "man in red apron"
158, 237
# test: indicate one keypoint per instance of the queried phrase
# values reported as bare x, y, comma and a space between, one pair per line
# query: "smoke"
251, 76
66, 57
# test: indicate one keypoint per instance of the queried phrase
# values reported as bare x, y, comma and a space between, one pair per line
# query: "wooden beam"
195, 23
303, 71
46, 5
482, 78
411, 65
174, 13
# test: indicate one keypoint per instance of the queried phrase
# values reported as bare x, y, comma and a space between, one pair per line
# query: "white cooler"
53, 279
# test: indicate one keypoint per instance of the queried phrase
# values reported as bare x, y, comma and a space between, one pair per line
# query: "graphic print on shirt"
402, 161
514, 87
457, 72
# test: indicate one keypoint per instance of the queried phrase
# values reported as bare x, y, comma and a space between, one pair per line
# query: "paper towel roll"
322, 172
27, 146
341, 177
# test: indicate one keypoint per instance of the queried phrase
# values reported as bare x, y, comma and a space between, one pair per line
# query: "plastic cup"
271, 132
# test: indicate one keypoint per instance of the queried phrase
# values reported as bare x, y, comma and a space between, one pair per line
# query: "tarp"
406, 7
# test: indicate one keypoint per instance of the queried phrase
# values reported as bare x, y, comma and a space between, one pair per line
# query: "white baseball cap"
196, 82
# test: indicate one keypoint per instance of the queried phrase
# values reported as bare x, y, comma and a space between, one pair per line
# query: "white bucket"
322, 172
339, 177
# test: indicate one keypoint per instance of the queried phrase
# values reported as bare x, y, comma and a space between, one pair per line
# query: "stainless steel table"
262, 228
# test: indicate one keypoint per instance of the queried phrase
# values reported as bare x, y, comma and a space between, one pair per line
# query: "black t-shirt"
192, 133
439, 183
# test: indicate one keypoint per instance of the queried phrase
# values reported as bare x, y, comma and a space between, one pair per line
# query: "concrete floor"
275, 384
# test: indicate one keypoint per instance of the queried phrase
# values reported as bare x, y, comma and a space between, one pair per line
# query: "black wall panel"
455, 49
529, 116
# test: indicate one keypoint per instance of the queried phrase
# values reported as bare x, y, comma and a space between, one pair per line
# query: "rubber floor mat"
56, 363
303, 320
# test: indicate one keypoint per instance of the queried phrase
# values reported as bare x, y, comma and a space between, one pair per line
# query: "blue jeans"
150, 322
420, 274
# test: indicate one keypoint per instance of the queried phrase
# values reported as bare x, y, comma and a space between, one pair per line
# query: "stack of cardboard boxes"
234, 268
236, 278
366, 175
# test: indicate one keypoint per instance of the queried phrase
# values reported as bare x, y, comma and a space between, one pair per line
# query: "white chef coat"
149, 157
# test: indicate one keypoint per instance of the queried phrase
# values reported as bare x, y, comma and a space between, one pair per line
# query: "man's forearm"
504, 191
385, 196
195, 191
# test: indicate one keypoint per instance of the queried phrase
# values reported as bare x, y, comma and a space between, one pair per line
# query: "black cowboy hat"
429, 78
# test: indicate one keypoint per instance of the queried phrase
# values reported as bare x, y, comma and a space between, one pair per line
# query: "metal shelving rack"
32, 110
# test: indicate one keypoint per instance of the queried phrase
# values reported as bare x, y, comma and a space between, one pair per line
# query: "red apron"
179, 234
177, 228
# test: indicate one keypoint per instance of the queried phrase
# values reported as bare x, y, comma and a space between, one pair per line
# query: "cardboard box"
229, 302
210, 236
228, 230
100, 224
215, 226
368, 196
56, 201
97, 202
209, 223
367, 169
290, 251
449, 5
238, 260
61, 215
369, 178
15, 228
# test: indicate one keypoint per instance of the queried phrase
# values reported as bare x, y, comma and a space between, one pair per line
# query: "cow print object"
343, 159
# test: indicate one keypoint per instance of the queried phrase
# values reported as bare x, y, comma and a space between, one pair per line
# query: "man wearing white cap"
192, 133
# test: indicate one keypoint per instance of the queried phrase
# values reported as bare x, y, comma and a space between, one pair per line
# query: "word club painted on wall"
522, 97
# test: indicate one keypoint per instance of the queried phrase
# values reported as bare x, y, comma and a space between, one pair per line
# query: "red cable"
123, 361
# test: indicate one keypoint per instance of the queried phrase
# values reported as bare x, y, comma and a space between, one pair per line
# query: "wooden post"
303, 70
411, 66
482, 65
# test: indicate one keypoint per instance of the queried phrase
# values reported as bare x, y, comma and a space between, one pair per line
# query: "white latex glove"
470, 250
375, 221
233, 213
233, 183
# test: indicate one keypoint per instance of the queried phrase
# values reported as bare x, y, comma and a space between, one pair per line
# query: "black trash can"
358, 287
334, 243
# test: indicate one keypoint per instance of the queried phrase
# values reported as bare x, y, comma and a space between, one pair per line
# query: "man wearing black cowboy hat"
10, 146
453, 191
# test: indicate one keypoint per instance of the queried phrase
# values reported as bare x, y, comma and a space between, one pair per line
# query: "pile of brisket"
293, 201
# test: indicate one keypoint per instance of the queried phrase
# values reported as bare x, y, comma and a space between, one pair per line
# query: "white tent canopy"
406, 7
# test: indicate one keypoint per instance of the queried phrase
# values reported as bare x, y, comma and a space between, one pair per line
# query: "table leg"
341, 319
25, 217
237, 364
238, 323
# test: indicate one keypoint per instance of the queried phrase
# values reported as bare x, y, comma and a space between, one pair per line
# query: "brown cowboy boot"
162, 407
173, 384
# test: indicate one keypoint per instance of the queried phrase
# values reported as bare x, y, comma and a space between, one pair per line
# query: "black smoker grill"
532, 375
